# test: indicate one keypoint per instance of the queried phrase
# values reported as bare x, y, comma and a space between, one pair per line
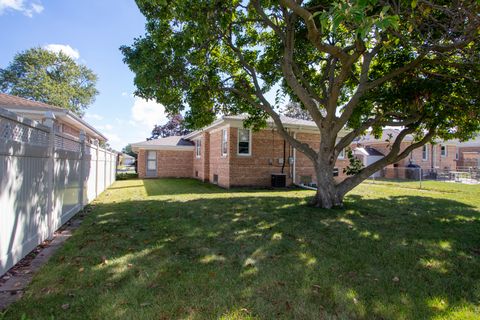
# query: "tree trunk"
327, 195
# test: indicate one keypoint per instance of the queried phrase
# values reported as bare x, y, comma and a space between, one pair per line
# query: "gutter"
294, 160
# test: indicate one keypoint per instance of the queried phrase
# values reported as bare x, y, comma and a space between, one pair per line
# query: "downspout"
294, 160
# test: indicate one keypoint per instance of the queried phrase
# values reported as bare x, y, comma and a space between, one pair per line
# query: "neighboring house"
368, 156
226, 154
468, 154
440, 155
126, 159
66, 122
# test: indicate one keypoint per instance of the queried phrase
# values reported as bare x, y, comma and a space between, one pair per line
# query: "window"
335, 172
198, 147
341, 155
424, 152
152, 161
244, 142
224, 142
443, 150
457, 155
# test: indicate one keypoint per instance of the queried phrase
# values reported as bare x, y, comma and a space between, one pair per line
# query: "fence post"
49, 121
96, 170
83, 152
421, 176
105, 171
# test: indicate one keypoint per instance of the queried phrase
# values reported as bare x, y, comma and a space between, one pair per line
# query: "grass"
181, 249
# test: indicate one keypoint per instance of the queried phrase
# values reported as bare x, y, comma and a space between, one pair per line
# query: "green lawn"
181, 249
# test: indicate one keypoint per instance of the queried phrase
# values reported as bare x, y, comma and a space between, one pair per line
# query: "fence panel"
46, 178
91, 161
101, 171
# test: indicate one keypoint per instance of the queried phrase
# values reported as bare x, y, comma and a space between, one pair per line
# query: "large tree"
352, 64
54, 78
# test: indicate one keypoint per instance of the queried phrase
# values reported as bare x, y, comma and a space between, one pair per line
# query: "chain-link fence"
465, 175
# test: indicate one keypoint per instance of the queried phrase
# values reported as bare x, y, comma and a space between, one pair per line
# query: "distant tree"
295, 110
174, 127
50, 77
128, 150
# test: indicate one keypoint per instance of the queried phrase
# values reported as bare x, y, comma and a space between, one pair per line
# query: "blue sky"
91, 31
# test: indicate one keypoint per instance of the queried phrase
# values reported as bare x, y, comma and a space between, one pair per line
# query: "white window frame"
425, 153
341, 155
198, 148
224, 143
249, 143
445, 149
151, 160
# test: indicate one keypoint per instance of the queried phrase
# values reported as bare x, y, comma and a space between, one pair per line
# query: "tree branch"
303, 147
288, 71
314, 34
394, 156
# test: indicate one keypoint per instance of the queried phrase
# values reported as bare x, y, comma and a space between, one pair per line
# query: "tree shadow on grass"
401, 257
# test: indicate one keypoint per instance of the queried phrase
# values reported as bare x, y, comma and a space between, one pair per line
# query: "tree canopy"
174, 127
128, 150
356, 64
49, 77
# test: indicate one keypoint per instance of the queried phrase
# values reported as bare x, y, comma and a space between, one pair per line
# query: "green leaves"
361, 17
220, 57
52, 78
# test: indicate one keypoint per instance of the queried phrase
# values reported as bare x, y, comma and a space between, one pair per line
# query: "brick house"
66, 121
440, 155
469, 154
226, 154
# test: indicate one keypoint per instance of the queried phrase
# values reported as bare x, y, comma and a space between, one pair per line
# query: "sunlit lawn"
181, 249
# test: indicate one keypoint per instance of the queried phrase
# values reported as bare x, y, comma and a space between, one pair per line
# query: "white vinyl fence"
46, 177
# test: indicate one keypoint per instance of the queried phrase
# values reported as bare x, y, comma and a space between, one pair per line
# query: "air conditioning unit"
279, 180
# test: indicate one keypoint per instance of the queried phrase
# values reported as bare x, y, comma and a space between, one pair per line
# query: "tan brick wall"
141, 163
305, 168
174, 164
267, 149
170, 164
238, 170
468, 156
71, 131
256, 169
219, 165
201, 165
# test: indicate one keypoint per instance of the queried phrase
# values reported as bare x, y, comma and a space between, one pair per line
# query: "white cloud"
148, 113
93, 116
65, 48
113, 139
28, 8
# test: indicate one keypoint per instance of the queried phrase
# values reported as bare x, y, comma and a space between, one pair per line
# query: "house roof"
288, 122
168, 143
387, 134
7, 100
475, 142
369, 151
390, 135
26, 107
